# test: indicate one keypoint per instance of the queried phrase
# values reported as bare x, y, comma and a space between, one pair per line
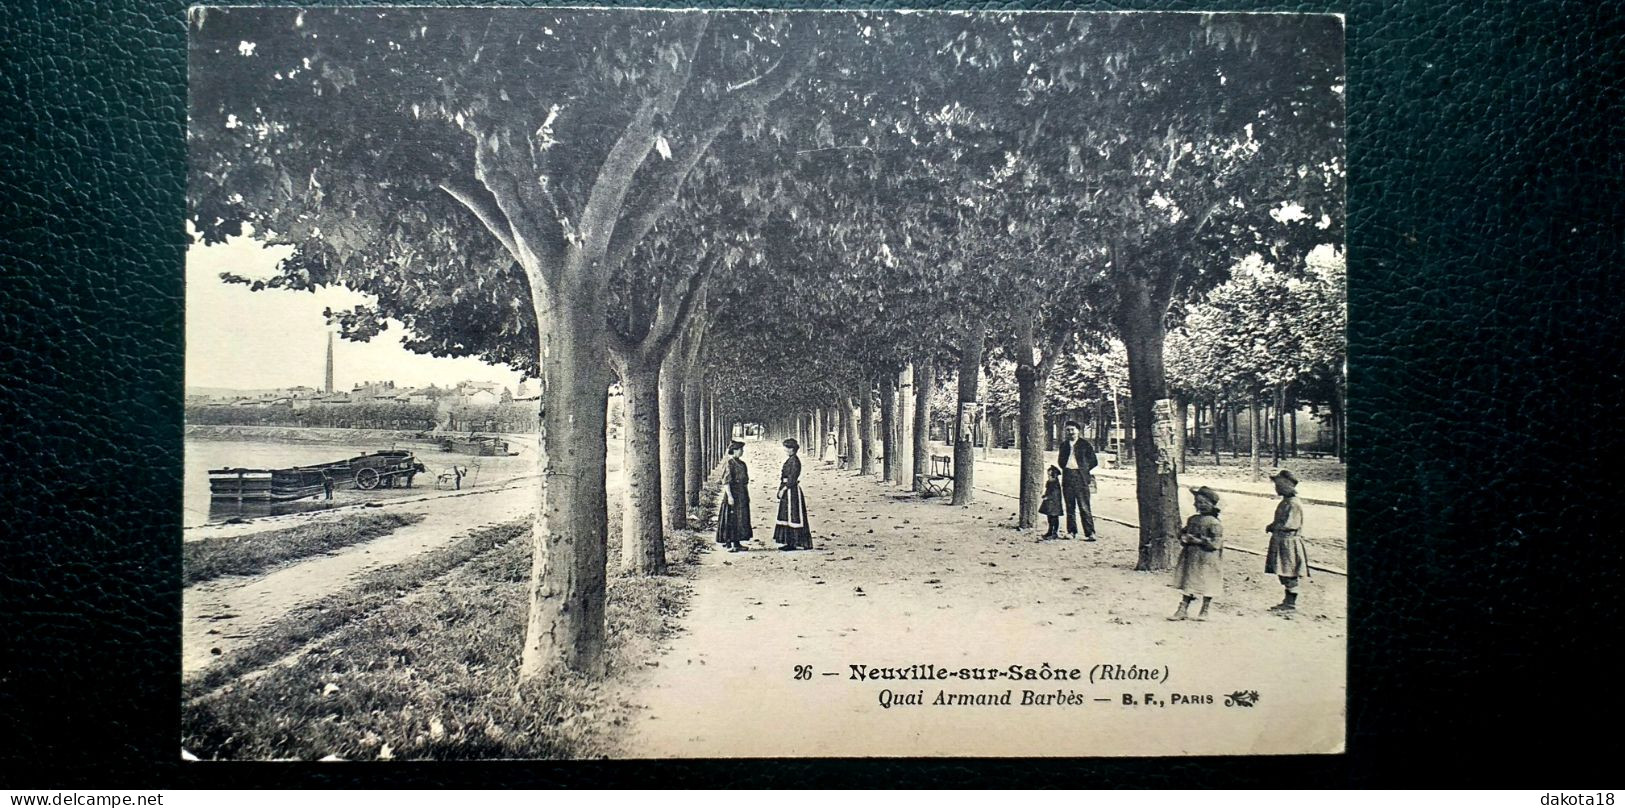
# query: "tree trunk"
1270, 423
837, 424
643, 546
1218, 418
708, 417
1181, 415
970, 372
904, 437
888, 426
1234, 414
1292, 423
1337, 422
817, 450
1030, 384
1252, 437
1118, 427
841, 438
1140, 325
673, 442
849, 418
866, 429
924, 382
694, 468
565, 626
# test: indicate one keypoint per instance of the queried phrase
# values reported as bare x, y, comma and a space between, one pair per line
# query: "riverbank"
251, 554
417, 659
304, 434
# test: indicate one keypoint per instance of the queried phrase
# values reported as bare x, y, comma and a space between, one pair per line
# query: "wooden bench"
940, 482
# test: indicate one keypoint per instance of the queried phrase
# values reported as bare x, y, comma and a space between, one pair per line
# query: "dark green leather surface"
1485, 329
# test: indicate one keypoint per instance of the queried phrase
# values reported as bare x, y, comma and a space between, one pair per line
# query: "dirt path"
898, 581
226, 613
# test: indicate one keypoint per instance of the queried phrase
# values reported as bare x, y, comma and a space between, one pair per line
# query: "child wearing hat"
1051, 506
1201, 560
733, 511
1287, 557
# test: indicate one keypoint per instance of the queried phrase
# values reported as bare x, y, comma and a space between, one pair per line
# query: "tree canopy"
825, 197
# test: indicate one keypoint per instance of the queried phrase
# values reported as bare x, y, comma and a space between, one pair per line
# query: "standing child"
1051, 506
1287, 557
733, 512
1201, 561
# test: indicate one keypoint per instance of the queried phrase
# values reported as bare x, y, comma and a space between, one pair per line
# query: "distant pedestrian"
1287, 556
1051, 506
830, 443
733, 508
1077, 460
1201, 559
327, 485
790, 528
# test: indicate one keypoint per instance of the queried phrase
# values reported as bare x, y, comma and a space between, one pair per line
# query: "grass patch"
372, 592
433, 674
207, 559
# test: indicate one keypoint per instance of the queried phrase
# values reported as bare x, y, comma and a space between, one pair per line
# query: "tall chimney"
329, 387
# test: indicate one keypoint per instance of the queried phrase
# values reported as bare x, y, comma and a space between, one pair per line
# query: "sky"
275, 338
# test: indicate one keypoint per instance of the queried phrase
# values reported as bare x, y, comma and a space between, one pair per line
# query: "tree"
1263, 330
489, 162
1175, 138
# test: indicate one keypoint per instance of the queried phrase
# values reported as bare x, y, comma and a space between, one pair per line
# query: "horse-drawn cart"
382, 469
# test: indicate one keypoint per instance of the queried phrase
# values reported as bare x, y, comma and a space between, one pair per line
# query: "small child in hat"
1050, 506
1201, 560
1287, 556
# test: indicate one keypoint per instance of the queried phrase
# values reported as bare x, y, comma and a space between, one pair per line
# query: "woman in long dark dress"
733, 512
790, 528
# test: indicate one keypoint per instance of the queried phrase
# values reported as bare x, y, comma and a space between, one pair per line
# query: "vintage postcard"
583, 382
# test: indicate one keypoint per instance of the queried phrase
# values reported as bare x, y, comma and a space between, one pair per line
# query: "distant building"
372, 390
466, 388
411, 396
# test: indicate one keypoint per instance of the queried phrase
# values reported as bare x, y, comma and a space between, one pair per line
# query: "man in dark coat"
1076, 460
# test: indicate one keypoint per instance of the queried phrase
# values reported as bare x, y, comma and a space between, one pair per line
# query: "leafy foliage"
1262, 329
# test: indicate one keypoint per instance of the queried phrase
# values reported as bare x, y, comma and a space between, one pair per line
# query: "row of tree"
369, 415
773, 217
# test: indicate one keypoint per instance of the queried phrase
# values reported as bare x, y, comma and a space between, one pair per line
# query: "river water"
203, 454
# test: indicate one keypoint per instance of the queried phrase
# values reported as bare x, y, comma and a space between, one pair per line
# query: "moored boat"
478, 445
266, 485
365, 471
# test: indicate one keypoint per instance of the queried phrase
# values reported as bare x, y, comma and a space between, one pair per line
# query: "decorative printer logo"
1241, 698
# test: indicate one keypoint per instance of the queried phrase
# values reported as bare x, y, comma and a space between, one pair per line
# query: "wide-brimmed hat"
792, 443
738, 444
1207, 493
1286, 473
